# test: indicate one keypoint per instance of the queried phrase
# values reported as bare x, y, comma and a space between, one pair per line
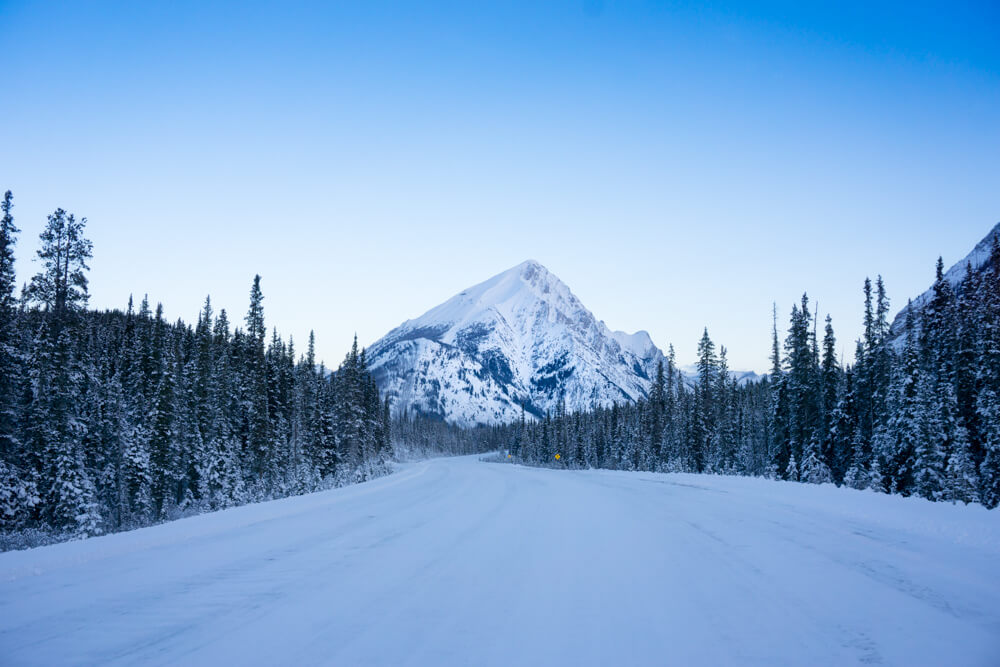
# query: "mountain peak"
529, 264
531, 272
518, 338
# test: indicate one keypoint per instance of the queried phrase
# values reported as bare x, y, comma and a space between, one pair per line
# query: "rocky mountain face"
520, 338
955, 275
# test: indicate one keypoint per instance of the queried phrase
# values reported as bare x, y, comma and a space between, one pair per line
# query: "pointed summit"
519, 338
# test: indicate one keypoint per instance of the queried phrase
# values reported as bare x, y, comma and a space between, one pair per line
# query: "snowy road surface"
454, 561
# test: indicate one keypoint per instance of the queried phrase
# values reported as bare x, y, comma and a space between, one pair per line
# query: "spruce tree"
69, 491
658, 404
10, 369
814, 470
929, 457
961, 478
988, 400
830, 389
901, 440
792, 471
705, 395
801, 380
258, 418
778, 422
8, 239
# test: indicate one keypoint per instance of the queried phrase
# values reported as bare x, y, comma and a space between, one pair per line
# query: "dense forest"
917, 413
417, 436
119, 419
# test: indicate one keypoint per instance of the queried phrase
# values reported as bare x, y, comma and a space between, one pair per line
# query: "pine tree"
61, 286
940, 425
164, 455
864, 361
858, 476
704, 420
880, 354
657, 404
792, 471
988, 400
69, 491
962, 480
778, 432
972, 322
829, 390
56, 422
724, 433
814, 470
9, 367
901, 439
135, 499
18, 497
929, 457
801, 379
840, 436
8, 239
260, 463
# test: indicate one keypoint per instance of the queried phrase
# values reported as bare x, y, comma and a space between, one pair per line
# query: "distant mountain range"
522, 338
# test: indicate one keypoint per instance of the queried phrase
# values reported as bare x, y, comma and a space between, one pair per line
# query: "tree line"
418, 436
119, 419
917, 413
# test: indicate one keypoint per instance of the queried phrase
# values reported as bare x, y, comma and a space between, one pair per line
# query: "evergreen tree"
9, 366
778, 431
792, 471
814, 470
880, 354
840, 437
988, 399
902, 439
801, 380
61, 286
258, 420
657, 405
962, 480
830, 389
704, 419
69, 492
8, 239
929, 458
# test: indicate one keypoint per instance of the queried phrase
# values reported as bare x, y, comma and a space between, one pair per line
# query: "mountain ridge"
955, 274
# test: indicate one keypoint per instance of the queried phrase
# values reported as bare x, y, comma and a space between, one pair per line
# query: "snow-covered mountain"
955, 275
520, 337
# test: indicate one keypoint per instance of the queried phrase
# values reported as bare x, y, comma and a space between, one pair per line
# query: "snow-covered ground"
453, 561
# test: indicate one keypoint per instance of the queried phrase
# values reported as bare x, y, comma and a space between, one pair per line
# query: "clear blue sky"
677, 165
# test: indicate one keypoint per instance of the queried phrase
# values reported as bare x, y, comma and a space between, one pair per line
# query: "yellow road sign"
558, 457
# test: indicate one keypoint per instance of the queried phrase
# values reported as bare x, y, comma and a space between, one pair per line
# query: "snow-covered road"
454, 561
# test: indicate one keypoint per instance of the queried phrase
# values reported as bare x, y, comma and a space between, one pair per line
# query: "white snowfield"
457, 562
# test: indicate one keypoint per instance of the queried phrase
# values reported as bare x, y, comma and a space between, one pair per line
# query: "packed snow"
456, 561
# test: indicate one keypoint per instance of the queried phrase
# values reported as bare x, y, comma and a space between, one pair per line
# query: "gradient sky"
677, 165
